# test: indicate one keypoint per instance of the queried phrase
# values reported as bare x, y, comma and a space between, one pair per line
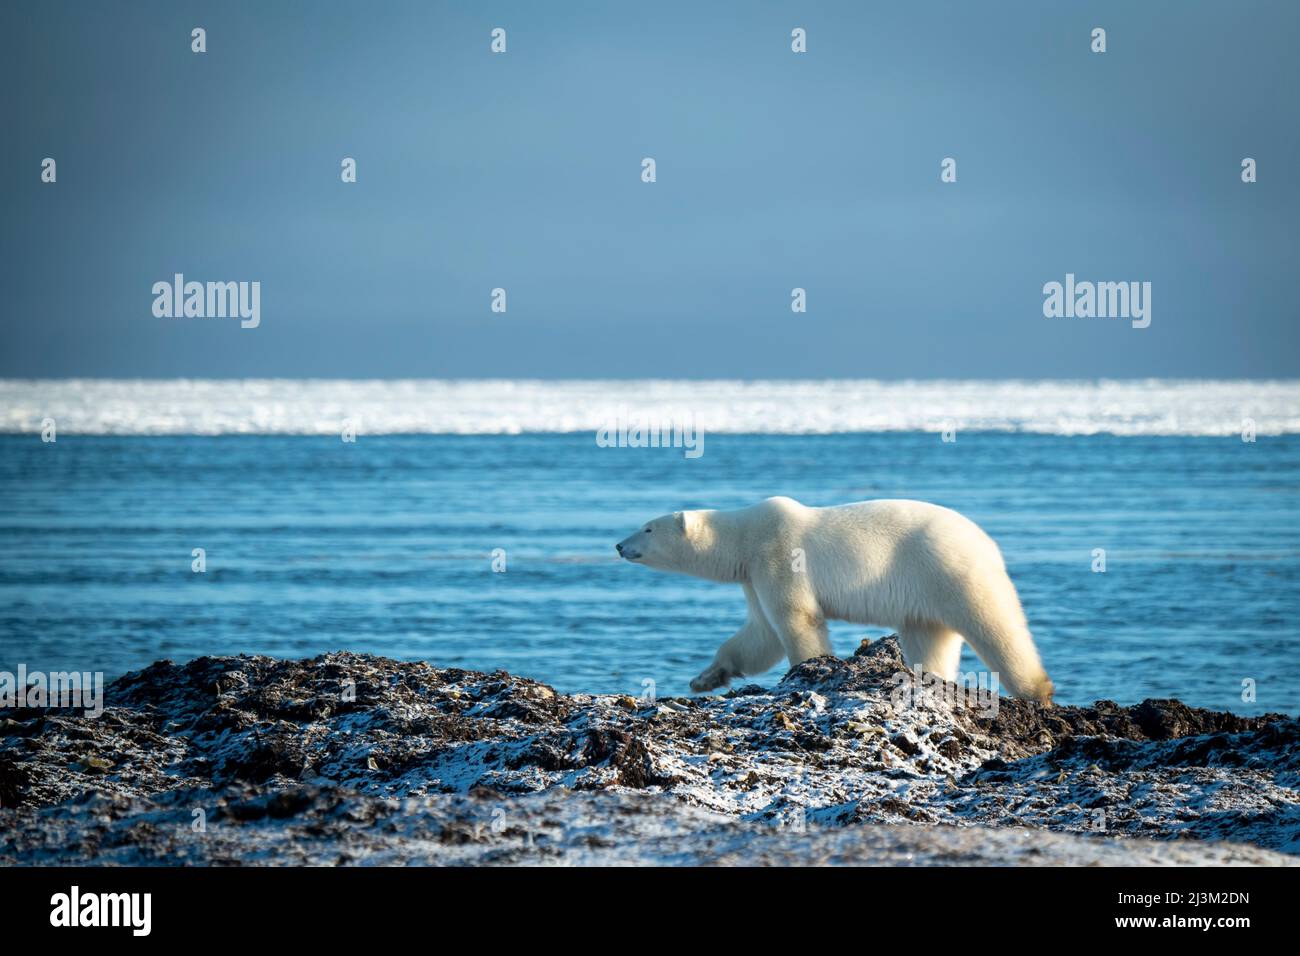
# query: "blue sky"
775, 170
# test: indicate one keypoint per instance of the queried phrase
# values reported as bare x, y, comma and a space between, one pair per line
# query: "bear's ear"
679, 519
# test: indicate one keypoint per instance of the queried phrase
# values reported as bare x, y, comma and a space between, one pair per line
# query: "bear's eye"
648, 530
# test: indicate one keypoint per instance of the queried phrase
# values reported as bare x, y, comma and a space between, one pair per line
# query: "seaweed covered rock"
835, 743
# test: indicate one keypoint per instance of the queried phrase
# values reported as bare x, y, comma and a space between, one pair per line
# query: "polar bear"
926, 571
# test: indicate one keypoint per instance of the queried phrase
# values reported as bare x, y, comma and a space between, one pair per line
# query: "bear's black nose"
618, 548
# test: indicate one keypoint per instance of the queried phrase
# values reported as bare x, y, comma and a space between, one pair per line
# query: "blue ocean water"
384, 546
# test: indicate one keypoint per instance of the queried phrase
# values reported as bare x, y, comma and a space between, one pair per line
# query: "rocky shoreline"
348, 758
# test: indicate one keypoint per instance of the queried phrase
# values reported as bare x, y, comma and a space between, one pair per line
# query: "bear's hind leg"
1004, 644
932, 647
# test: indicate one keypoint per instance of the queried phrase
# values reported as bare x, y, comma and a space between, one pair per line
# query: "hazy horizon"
623, 379
1186, 407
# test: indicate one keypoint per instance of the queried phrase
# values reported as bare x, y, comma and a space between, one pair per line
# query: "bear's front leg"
711, 677
751, 650
796, 617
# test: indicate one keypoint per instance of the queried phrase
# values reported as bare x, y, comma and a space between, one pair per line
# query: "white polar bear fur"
926, 571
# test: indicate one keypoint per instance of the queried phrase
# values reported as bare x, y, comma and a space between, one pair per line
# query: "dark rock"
335, 742
13, 781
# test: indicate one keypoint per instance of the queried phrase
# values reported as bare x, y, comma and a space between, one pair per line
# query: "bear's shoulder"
778, 513
780, 503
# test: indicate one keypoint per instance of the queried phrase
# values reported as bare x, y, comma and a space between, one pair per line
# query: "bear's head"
674, 542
